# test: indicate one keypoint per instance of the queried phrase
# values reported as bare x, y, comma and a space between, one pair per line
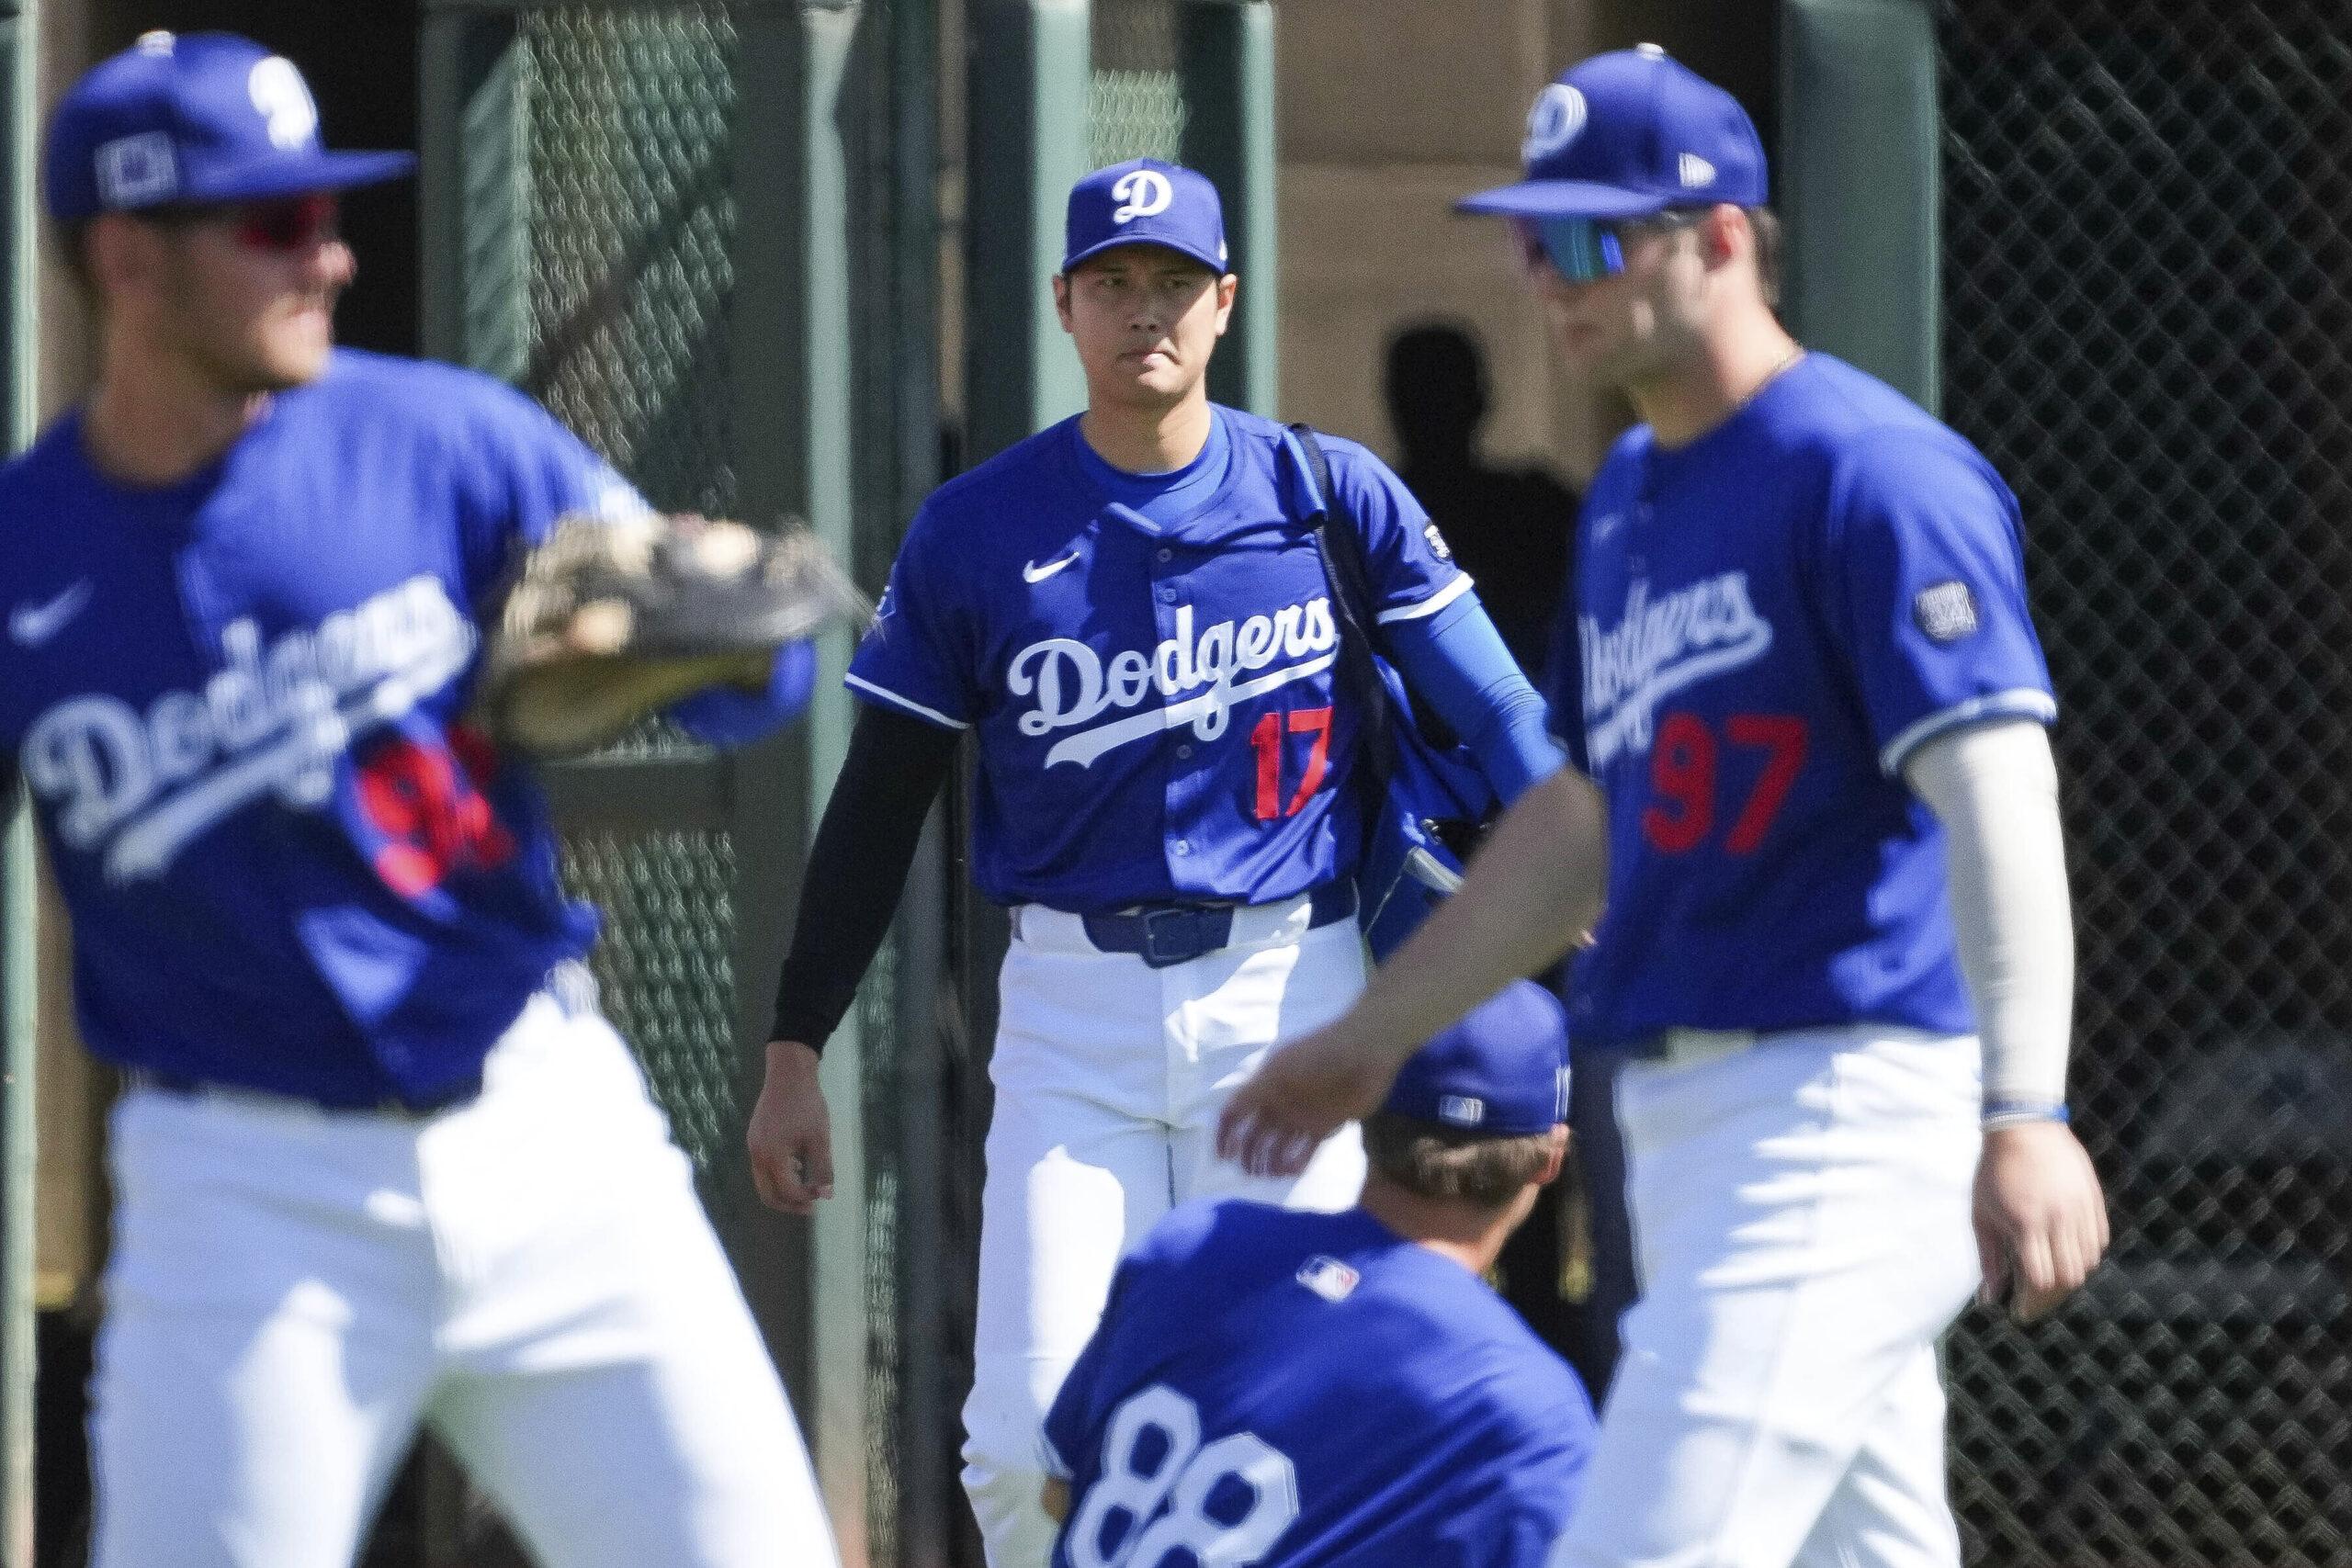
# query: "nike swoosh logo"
33, 624
1033, 572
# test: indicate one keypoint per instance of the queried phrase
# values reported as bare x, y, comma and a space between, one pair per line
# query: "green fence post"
1226, 59
826, 442
19, 878
1031, 73
1859, 186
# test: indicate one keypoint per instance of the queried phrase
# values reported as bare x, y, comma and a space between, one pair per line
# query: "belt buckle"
1181, 941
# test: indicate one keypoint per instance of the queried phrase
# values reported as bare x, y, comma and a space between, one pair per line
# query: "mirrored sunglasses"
282, 226
294, 224
1582, 250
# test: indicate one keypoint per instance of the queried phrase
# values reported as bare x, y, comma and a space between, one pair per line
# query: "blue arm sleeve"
1456, 662
727, 715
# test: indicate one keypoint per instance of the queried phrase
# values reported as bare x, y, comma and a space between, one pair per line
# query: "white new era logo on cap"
136, 171
1696, 171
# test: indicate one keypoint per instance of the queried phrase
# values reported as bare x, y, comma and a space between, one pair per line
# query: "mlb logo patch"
1328, 1278
1438, 546
1945, 612
1461, 1110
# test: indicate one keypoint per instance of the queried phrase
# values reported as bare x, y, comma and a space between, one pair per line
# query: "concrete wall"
1390, 109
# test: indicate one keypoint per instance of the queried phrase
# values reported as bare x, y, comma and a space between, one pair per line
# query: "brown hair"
1762, 222
1766, 225
1431, 1161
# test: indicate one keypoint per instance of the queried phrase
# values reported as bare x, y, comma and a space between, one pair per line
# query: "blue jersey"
235, 702
1769, 621
1156, 702
1299, 1389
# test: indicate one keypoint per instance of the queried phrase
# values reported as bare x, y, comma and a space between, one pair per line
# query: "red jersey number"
1266, 738
1684, 761
423, 801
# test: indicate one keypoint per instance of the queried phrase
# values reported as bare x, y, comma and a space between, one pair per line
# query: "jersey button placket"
1182, 785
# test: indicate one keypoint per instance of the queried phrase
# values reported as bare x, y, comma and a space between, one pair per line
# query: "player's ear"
1724, 234
1061, 299
1226, 288
121, 253
1558, 1155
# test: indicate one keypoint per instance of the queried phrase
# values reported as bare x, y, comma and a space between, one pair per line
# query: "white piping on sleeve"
917, 708
1430, 606
2018, 702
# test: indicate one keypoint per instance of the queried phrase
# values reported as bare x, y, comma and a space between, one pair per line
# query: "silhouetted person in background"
1569, 1270
1509, 528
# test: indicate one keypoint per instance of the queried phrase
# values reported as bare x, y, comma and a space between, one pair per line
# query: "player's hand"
2041, 1217
791, 1135
1304, 1093
567, 707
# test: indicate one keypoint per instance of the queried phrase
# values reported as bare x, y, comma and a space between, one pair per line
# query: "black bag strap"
1349, 580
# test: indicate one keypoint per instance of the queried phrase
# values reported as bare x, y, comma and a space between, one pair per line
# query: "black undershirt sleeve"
858, 867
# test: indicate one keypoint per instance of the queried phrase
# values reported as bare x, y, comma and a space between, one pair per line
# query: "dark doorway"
361, 63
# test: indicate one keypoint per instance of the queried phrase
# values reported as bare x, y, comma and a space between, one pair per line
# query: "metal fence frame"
19, 876
827, 227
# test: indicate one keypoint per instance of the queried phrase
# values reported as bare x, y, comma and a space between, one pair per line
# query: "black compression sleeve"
858, 867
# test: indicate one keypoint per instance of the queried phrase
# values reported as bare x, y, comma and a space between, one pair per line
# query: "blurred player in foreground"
379, 1160
1288, 1389
1804, 677
1130, 613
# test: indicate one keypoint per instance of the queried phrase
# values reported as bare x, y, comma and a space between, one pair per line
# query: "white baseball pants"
1109, 1076
1801, 1212
293, 1289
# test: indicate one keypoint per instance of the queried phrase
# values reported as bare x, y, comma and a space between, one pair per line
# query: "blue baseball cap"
1501, 1072
1144, 202
1626, 134
202, 118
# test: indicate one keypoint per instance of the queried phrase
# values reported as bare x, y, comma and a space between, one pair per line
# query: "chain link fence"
611, 219
628, 249
627, 202
1137, 107
2148, 328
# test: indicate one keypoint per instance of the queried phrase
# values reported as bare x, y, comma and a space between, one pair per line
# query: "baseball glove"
608, 621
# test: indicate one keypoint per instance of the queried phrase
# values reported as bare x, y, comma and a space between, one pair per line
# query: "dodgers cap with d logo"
193, 118
1502, 1072
1144, 202
1626, 134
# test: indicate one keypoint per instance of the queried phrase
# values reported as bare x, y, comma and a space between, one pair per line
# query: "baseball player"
1838, 942
1273, 1387
378, 1161
1130, 613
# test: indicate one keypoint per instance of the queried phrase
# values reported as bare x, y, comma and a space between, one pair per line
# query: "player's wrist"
792, 1059
2000, 1116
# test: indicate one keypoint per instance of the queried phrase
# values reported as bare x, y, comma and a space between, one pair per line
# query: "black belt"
1166, 934
443, 1099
